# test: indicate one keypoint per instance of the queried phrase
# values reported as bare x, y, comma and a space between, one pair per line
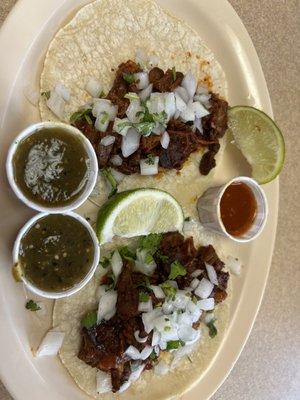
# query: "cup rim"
246, 180
91, 182
74, 289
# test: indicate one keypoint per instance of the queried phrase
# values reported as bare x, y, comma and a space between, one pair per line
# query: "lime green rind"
280, 140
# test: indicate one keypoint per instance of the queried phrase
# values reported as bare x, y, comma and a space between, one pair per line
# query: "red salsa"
238, 208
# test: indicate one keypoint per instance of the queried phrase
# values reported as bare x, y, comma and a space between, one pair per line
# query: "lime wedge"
259, 139
139, 212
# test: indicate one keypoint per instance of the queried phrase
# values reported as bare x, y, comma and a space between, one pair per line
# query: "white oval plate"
24, 38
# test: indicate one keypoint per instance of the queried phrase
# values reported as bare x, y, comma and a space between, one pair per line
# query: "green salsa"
51, 167
56, 253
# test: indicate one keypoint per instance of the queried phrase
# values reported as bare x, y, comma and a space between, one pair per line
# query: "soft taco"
96, 77
133, 54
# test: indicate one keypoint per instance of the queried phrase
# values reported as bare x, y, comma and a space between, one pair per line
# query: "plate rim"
6, 31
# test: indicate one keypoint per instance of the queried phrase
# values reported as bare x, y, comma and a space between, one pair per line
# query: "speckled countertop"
269, 366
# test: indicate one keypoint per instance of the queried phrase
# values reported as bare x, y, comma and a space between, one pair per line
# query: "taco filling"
152, 302
152, 120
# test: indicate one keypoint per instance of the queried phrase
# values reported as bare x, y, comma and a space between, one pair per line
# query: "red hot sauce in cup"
238, 208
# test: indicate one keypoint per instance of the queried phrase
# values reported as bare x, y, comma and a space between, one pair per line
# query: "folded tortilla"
102, 35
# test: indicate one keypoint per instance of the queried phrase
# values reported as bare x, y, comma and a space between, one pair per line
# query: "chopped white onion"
199, 110
145, 306
143, 80
108, 140
188, 114
173, 283
188, 334
204, 288
124, 387
133, 353
102, 121
209, 317
180, 103
103, 382
119, 126
136, 372
133, 109
190, 84
141, 58
170, 106
198, 125
116, 264
93, 87
62, 91
31, 94
149, 169
183, 93
161, 368
56, 104
234, 264
104, 106
158, 128
116, 160
196, 273
146, 93
138, 338
153, 60
148, 319
158, 292
195, 282
141, 265
212, 275
50, 344
101, 290
107, 306
206, 304
168, 307
156, 103
155, 338
130, 142
145, 353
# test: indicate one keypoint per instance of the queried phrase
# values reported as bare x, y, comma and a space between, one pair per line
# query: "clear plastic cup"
210, 214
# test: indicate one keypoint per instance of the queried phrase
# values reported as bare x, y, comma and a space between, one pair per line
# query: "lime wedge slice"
139, 212
259, 139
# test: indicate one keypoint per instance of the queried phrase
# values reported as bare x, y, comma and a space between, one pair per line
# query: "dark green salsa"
56, 252
51, 167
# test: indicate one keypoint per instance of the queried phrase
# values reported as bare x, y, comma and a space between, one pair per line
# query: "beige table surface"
269, 367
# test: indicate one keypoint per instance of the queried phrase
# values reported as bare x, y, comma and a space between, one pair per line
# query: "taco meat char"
104, 346
184, 137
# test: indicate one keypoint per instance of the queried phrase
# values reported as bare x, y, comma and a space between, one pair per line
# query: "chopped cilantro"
129, 78
104, 118
174, 344
161, 118
105, 262
127, 254
110, 178
82, 114
150, 242
143, 297
131, 96
167, 328
150, 159
174, 73
89, 320
161, 256
46, 94
32, 306
148, 259
168, 289
144, 128
212, 328
153, 355
177, 270
146, 284
194, 299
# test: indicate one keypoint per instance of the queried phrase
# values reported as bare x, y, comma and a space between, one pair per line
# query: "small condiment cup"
93, 167
58, 295
210, 214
